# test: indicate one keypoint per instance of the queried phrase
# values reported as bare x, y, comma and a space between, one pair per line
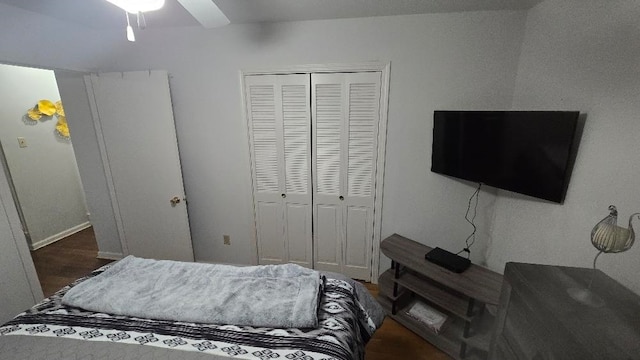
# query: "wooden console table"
462, 297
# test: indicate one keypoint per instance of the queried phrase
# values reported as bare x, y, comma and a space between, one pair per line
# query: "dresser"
538, 319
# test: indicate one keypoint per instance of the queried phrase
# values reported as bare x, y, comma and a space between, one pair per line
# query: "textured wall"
440, 61
443, 61
579, 55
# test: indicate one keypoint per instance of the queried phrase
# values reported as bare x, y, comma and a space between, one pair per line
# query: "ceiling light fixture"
130, 35
138, 6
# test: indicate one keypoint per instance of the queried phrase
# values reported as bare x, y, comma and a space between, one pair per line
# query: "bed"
347, 316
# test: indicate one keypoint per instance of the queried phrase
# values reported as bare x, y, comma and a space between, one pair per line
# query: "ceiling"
101, 14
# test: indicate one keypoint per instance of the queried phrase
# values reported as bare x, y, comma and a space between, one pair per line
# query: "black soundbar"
447, 260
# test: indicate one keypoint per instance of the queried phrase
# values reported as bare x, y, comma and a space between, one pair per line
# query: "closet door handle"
284, 195
341, 198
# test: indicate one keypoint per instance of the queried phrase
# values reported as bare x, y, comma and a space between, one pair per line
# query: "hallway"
66, 260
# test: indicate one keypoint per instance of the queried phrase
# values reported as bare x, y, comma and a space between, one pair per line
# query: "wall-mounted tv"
527, 152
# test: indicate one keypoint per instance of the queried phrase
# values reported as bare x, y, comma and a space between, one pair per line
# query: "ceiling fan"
206, 12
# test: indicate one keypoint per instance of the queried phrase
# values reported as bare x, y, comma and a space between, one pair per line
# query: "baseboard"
109, 255
59, 236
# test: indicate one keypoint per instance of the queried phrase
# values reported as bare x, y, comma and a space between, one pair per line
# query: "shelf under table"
448, 340
436, 294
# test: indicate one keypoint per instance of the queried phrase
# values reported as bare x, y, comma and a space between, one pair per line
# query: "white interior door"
346, 116
135, 122
278, 113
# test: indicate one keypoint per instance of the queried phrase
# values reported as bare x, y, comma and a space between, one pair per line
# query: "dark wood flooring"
64, 261
61, 263
394, 341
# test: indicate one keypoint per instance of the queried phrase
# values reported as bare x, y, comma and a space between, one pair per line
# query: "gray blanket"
279, 296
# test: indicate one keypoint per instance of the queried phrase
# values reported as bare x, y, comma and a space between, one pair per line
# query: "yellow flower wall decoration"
45, 109
34, 114
62, 128
59, 108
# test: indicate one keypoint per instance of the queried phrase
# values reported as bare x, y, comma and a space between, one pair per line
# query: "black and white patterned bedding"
344, 329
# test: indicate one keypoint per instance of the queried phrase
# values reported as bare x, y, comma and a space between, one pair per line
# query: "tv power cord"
472, 236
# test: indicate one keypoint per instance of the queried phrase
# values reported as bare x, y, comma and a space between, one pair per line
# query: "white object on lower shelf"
427, 315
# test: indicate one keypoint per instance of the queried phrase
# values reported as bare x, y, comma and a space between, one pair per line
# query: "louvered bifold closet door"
345, 115
278, 110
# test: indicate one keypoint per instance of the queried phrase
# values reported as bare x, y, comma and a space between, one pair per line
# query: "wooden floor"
394, 341
62, 262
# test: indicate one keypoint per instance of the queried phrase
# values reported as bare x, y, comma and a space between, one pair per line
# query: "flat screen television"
527, 152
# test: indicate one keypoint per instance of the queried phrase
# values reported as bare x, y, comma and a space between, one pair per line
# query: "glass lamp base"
586, 297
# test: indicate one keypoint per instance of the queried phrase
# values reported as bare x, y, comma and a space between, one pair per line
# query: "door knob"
284, 195
341, 198
174, 201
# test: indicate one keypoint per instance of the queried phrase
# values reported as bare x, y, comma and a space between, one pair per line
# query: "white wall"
579, 55
440, 61
28, 38
44, 173
576, 54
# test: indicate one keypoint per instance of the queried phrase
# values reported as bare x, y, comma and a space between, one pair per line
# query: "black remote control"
448, 260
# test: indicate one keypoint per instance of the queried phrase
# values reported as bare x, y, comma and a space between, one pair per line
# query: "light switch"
22, 142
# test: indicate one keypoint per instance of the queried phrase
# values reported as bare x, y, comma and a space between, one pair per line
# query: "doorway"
64, 261
39, 159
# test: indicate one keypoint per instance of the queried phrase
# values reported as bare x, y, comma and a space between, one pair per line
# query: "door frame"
10, 204
14, 194
105, 162
372, 66
9, 207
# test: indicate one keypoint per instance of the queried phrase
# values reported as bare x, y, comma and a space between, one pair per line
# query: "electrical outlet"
227, 239
22, 142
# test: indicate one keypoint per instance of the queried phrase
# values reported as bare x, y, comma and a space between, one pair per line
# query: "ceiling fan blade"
206, 12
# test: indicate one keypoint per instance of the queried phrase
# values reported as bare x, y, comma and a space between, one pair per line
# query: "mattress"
51, 330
